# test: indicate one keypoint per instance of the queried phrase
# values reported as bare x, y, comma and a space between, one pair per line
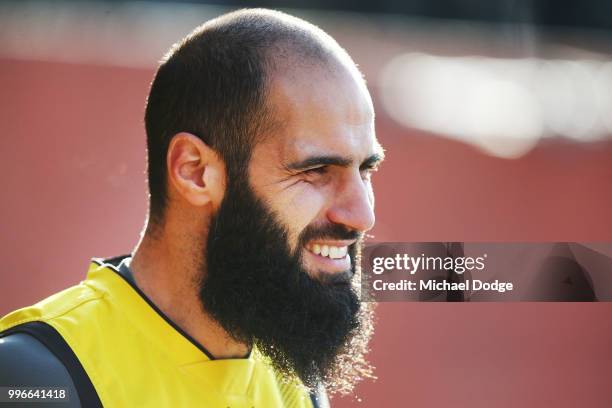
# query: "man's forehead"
322, 114
340, 90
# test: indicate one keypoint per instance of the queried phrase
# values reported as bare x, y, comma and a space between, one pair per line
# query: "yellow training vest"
135, 358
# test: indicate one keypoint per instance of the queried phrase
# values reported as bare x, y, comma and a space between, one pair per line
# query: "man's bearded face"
256, 287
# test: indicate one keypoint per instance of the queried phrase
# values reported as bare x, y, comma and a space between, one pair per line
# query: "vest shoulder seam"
52, 316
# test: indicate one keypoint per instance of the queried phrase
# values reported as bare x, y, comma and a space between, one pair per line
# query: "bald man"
242, 291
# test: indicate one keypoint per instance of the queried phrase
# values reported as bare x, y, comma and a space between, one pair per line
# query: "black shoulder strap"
56, 344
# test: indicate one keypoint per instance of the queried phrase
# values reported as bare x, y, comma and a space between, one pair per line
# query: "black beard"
259, 292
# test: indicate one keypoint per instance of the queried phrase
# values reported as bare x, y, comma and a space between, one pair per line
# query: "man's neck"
170, 279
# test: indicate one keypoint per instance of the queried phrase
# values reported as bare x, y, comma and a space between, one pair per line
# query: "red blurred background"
74, 187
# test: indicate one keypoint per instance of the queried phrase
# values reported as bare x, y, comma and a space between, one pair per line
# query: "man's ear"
195, 170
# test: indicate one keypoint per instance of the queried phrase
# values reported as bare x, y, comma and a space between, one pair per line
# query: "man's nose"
353, 205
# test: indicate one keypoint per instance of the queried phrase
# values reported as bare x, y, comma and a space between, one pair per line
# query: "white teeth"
333, 252
329, 251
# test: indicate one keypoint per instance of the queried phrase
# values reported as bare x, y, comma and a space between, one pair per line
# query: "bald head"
215, 83
283, 42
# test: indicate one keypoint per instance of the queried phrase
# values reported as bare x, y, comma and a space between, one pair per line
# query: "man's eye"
316, 170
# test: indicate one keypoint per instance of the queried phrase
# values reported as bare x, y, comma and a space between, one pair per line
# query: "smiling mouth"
328, 251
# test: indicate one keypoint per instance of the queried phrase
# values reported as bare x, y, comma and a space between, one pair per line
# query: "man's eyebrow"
315, 161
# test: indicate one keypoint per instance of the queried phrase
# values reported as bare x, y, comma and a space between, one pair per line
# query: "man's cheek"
308, 209
299, 224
